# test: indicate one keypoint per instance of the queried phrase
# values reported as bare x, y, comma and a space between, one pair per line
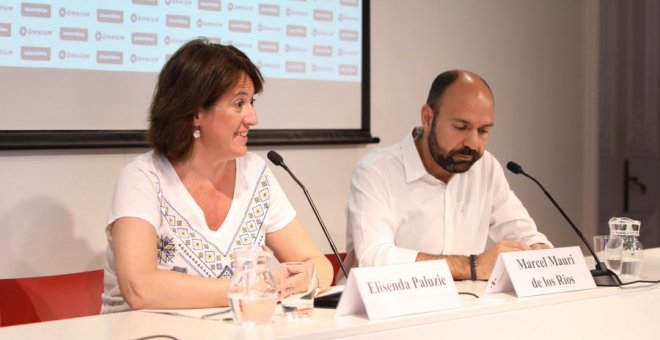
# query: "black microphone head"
275, 157
514, 167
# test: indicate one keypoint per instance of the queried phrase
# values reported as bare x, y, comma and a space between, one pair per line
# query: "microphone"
275, 157
601, 269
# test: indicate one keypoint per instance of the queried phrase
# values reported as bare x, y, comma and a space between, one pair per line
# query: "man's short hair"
438, 87
441, 83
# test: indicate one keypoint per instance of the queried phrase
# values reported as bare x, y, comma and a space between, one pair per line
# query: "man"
438, 194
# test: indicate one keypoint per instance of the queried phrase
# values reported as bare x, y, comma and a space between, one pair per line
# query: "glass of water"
614, 253
608, 248
299, 285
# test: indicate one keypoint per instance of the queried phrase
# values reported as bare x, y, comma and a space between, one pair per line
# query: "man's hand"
460, 266
486, 261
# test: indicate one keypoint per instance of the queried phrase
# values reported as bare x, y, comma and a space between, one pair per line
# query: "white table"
602, 313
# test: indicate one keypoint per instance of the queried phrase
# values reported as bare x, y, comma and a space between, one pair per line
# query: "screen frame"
67, 139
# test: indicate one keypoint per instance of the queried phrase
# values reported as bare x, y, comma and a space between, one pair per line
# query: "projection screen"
77, 73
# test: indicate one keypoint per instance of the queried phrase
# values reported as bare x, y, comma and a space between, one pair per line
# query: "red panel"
45, 298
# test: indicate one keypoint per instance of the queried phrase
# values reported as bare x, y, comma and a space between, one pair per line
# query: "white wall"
537, 55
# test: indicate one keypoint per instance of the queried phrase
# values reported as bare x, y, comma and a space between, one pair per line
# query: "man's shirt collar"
412, 161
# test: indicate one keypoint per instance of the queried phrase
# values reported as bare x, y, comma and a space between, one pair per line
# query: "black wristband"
473, 267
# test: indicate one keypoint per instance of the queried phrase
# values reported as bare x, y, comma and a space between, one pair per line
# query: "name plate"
400, 289
544, 271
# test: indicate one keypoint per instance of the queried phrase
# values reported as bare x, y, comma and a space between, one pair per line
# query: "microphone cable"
622, 284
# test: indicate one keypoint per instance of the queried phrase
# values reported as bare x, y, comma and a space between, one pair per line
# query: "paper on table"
224, 313
218, 313
330, 290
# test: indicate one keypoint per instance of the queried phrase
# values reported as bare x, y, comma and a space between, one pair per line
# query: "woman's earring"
197, 133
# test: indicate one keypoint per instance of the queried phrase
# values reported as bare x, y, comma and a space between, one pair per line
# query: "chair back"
45, 298
335, 264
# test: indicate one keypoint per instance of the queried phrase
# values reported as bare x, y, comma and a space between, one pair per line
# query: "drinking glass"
608, 248
298, 288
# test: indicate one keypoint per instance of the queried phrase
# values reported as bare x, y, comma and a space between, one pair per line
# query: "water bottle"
632, 251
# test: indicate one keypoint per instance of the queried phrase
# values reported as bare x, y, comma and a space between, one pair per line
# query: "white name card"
401, 289
537, 272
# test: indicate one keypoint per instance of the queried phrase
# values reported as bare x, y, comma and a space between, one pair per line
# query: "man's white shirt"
397, 209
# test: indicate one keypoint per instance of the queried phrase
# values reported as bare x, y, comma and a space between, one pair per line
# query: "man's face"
457, 160
460, 130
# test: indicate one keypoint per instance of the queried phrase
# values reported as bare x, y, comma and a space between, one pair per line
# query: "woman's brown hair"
193, 79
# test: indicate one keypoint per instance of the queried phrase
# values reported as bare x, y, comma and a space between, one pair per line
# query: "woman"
180, 210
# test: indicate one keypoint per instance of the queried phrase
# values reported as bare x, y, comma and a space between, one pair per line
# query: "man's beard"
445, 159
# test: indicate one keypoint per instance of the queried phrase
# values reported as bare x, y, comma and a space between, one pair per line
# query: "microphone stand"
329, 300
318, 217
601, 269
277, 160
